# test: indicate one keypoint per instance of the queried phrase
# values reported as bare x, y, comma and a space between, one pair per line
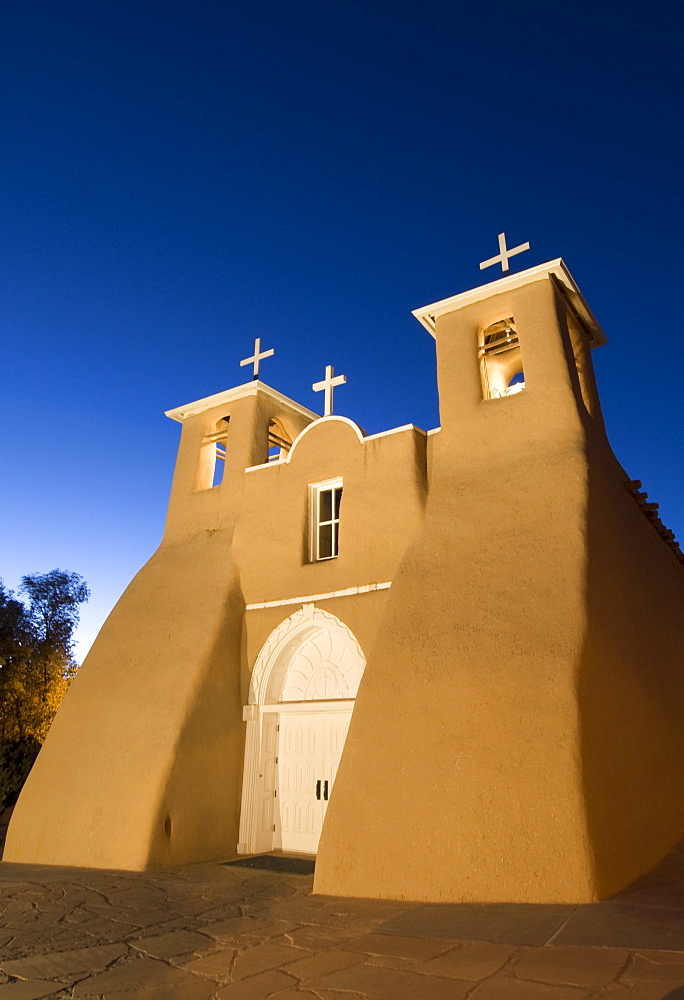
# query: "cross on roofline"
257, 357
504, 254
328, 383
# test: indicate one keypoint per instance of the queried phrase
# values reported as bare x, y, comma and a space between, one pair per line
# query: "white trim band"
428, 315
253, 388
365, 588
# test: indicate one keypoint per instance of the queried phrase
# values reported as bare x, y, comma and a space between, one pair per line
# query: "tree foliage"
36, 651
16, 760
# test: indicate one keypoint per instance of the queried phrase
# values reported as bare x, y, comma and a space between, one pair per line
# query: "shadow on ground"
217, 932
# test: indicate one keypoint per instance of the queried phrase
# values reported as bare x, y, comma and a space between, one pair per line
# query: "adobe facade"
473, 634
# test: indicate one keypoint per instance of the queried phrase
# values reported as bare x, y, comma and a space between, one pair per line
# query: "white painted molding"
339, 419
299, 707
396, 430
334, 418
276, 655
253, 388
365, 588
266, 465
427, 315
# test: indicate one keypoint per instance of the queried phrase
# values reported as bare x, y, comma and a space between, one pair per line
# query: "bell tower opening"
501, 367
213, 455
279, 441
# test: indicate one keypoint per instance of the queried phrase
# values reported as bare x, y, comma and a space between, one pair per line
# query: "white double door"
308, 747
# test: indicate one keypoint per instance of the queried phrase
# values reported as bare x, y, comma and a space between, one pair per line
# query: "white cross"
327, 384
258, 355
504, 254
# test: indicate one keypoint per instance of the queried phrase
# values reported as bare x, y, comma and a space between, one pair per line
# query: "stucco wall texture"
536, 711
517, 735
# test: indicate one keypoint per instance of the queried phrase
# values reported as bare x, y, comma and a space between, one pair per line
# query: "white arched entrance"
301, 699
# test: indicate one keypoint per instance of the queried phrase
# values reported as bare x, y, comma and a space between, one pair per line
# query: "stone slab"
264, 957
135, 974
107, 930
234, 926
65, 965
417, 949
624, 925
257, 987
390, 962
505, 988
654, 967
322, 964
217, 965
648, 991
572, 966
316, 938
500, 923
27, 990
664, 895
336, 995
194, 989
361, 914
303, 995
473, 960
377, 983
176, 943
145, 918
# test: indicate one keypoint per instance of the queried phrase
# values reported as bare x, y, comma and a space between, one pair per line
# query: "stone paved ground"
209, 932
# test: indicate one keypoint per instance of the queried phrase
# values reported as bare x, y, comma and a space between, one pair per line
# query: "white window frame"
315, 524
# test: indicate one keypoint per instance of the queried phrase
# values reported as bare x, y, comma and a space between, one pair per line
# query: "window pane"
338, 497
325, 509
336, 536
325, 541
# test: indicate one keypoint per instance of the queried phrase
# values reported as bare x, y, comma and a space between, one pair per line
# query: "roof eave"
428, 315
253, 388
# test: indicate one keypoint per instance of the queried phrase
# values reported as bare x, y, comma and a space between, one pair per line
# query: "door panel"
299, 762
310, 748
335, 734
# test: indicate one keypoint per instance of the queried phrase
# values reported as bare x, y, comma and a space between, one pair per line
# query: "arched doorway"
301, 699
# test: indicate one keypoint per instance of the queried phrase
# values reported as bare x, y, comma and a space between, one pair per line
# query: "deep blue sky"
178, 178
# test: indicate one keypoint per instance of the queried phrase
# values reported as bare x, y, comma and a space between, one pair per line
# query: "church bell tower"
515, 735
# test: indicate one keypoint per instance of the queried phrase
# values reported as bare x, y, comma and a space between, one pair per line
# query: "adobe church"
449, 664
